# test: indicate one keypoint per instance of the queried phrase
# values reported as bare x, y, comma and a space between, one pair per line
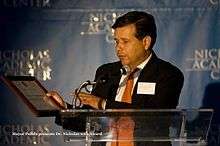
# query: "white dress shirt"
123, 80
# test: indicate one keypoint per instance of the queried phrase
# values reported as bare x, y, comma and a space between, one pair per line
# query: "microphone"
125, 70
106, 77
103, 79
122, 71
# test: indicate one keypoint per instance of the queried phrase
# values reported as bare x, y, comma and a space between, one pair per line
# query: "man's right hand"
55, 100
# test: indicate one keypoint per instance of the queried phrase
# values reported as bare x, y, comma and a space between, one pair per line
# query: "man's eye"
125, 42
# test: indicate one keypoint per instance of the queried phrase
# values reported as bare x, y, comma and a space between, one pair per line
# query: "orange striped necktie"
123, 130
124, 126
127, 95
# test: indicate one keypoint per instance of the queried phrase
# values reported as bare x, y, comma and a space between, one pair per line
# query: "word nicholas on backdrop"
7, 137
205, 60
99, 23
26, 62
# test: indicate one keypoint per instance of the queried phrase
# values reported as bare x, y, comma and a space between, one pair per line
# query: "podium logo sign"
26, 62
205, 60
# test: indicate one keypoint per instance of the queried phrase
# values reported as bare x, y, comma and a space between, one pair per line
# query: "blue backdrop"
62, 42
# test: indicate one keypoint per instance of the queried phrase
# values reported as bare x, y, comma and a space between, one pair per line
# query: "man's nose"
119, 47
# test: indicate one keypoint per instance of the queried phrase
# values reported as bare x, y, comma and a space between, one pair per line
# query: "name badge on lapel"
146, 88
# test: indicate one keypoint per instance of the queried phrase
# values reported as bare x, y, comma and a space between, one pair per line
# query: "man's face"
130, 50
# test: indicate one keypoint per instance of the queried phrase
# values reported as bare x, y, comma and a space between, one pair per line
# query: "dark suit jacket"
168, 79
169, 82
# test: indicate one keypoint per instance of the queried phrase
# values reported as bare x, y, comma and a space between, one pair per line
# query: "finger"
85, 95
54, 99
84, 100
49, 100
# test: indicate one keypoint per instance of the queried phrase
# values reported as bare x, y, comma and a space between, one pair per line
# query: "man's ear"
147, 42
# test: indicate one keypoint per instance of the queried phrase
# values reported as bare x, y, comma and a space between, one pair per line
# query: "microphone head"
122, 71
125, 70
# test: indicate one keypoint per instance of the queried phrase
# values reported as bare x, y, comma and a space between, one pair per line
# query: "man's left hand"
90, 100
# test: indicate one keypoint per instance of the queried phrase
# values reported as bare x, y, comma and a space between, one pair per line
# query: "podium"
160, 125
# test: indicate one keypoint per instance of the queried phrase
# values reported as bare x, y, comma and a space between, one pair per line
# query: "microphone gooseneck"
101, 80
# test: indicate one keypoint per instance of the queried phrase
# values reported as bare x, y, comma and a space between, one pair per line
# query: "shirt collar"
141, 66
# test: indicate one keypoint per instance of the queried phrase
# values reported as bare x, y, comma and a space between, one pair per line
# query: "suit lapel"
148, 74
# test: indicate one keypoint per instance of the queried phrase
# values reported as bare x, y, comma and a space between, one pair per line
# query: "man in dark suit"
165, 78
150, 82
157, 83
